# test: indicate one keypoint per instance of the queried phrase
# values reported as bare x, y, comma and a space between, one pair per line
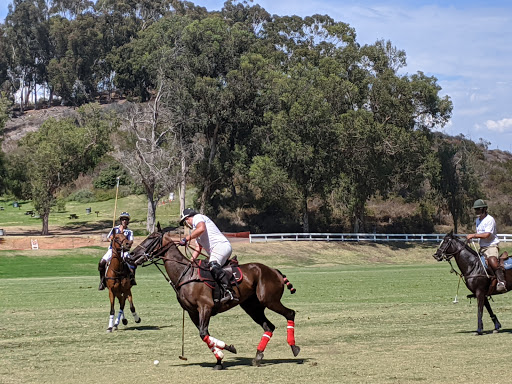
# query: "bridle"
444, 248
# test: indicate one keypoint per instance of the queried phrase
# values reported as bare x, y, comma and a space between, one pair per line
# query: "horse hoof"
496, 331
477, 333
230, 348
295, 350
109, 330
218, 367
257, 360
138, 320
125, 321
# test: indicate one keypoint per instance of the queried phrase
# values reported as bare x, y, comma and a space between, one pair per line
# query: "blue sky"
466, 44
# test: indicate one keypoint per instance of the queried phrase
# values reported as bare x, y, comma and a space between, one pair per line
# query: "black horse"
480, 280
261, 287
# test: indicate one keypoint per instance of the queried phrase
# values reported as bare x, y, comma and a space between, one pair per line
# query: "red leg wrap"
264, 341
291, 332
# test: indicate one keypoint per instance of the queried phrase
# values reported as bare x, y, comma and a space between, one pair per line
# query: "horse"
261, 287
118, 281
480, 280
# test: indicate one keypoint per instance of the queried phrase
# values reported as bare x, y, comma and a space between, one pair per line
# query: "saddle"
231, 268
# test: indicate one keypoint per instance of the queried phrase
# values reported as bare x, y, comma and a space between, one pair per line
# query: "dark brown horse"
480, 280
118, 281
261, 287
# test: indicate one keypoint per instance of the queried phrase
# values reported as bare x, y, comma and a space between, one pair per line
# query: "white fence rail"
374, 237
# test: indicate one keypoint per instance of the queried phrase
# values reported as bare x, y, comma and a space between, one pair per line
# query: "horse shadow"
145, 328
246, 361
488, 332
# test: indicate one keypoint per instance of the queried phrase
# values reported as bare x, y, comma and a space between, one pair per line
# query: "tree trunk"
183, 184
305, 215
44, 217
150, 224
208, 181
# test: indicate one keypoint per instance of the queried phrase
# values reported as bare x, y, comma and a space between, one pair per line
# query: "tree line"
287, 123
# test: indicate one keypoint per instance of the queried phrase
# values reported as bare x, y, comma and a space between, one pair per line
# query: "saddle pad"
232, 270
507, 263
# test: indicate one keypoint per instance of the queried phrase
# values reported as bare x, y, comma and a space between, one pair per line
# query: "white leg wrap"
213, 342
111, 321
217, 352
120, 316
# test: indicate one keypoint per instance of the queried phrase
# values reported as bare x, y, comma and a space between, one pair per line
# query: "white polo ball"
156, 362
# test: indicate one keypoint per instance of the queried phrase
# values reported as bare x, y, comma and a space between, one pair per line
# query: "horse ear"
158, 227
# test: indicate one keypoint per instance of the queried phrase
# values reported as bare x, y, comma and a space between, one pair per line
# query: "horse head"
121, 243
148, 248
450, 246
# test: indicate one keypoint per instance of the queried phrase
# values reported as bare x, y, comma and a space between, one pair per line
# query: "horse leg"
120, 315
494, 318
202, 320
112, 311
132, 308
257, 312
480, 301
289, 315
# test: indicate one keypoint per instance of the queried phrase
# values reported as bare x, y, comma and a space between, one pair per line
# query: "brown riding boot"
101, 268
501, 287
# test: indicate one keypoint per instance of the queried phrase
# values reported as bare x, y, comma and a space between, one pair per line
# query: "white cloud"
500, 126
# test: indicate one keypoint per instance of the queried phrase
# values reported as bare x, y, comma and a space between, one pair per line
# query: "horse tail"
287, 282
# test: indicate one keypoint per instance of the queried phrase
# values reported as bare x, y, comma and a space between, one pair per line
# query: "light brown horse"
261, 287
118, 281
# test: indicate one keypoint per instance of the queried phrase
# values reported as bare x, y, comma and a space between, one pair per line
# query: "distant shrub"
82, 196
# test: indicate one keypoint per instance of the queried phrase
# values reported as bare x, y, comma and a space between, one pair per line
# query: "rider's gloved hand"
183, 241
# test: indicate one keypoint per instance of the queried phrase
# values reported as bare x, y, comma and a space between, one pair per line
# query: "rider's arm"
484, 235
200, 229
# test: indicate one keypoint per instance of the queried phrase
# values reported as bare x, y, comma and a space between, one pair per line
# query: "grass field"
365, 314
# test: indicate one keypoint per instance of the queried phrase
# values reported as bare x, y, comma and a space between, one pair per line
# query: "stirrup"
228, 296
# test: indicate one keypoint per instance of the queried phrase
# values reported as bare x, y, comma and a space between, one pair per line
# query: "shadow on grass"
486, 332
233, 362
145, 328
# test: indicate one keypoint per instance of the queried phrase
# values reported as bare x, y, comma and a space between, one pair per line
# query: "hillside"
395, 215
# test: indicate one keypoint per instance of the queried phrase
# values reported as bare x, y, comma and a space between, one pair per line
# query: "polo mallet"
182, 356
115, 204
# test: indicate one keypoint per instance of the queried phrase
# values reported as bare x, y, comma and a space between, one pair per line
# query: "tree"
150, 150
457, 183
60, 151
27, 32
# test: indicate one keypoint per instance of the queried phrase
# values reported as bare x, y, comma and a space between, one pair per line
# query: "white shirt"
212, 236
128, 233
487, 225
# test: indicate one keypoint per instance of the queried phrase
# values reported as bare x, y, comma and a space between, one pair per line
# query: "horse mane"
466, 246
169, 229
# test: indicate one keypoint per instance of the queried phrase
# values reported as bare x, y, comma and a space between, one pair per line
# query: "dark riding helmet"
187, 212
479, 204
125, 215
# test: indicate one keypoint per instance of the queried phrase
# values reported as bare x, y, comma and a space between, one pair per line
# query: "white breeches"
220, 253
108, 255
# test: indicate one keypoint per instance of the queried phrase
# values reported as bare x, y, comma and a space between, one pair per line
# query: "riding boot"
502, 285
132, 277
220, 276
101, 268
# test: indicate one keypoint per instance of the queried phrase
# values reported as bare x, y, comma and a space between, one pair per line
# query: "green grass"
384, 317
136, 205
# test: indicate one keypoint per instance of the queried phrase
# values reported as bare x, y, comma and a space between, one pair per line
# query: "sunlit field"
365, 314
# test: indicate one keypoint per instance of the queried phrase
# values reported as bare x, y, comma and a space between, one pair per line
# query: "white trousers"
107, 256
220, 253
